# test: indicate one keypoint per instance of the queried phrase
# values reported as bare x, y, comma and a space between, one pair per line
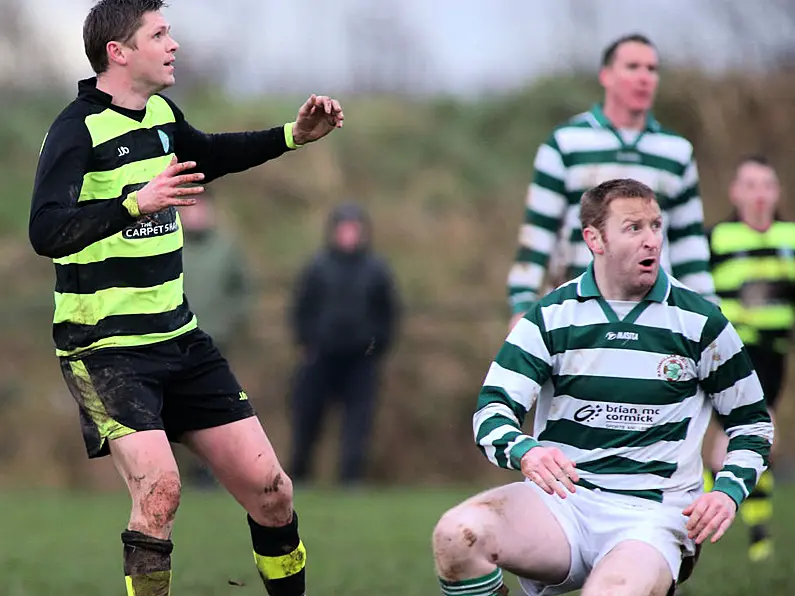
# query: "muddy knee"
461, 543
155, 504
274, 503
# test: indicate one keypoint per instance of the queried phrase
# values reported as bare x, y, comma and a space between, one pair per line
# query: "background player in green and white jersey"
618, 138
627, 366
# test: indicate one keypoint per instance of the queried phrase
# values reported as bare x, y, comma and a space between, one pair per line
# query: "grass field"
366, 543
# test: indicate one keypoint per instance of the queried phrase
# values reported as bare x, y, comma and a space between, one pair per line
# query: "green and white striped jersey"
582, 153
627, 398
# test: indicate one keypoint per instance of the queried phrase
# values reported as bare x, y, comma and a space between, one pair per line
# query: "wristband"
131, 204
288, 136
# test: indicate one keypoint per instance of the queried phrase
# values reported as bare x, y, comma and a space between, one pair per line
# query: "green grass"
358, 544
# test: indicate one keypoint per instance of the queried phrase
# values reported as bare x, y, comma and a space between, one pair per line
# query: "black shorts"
178, 385
770, 367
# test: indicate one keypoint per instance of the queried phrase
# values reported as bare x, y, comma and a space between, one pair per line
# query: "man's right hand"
549, 469
165, 190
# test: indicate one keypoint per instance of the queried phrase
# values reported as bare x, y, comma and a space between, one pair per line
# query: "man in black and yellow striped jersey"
112, 170
753, 266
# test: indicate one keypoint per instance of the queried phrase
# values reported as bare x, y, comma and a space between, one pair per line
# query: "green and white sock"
486, 585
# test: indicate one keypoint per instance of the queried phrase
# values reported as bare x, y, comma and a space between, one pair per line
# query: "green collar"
598, 114
587, 288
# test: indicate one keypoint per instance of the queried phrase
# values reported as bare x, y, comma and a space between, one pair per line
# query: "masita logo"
621, 336
153, 225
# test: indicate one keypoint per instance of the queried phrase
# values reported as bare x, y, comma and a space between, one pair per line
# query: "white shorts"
595, 521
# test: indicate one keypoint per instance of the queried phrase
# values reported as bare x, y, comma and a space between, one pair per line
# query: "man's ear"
593, 238
116, 53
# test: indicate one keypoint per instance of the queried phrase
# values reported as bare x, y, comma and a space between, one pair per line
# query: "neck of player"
612, 288
758, 220
622, 118
124, 92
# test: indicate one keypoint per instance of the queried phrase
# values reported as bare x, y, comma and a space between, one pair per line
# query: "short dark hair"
594, 203
609, 54
113, 20
756, 158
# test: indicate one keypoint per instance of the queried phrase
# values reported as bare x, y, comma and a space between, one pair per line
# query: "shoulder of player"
576, 125
564, 292
69, 129
178, 113
677, 145
687, 299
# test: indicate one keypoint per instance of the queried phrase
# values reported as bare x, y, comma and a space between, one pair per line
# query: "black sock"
147, 564
280, 557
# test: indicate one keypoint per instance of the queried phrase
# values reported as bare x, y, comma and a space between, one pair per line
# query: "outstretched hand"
712, 512
316, 118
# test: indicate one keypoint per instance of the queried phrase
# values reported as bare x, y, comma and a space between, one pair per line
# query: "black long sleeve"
58, 225
225, 153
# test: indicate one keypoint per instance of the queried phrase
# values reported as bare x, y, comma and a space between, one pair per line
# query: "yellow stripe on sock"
709, 481
282, 566
757, 509
755, 512
156, 583
766, 482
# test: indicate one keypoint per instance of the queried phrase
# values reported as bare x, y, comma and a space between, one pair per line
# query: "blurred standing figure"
217, 281
344, 317
753, 265
618, 138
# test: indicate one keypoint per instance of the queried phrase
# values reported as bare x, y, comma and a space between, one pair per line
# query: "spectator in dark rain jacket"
344, 317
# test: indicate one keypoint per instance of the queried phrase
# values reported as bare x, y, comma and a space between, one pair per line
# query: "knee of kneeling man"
277, 495
160, 499
458, 532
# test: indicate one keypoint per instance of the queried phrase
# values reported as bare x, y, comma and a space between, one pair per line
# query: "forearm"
56, 230
746, 459
226, 153
498, 432
728, 377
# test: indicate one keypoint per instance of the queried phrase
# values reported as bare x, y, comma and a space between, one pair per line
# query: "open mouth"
648, 263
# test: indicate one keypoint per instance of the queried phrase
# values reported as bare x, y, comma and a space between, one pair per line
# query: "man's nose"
652, 238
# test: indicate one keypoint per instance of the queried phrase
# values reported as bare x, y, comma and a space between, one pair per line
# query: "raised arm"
220, 154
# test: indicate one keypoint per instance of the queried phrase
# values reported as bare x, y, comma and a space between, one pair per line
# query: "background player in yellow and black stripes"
110, 174
753, 267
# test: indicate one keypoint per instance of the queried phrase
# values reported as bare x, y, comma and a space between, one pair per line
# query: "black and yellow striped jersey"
119, 275
754, 275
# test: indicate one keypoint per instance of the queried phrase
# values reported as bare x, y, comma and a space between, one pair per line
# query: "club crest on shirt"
673, 368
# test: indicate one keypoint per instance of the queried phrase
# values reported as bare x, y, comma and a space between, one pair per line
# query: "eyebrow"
627, 220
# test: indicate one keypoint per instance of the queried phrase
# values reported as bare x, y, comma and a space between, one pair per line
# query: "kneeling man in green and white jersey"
626, 366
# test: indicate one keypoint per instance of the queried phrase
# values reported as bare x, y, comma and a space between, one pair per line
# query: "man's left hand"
711, 512
317, 117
